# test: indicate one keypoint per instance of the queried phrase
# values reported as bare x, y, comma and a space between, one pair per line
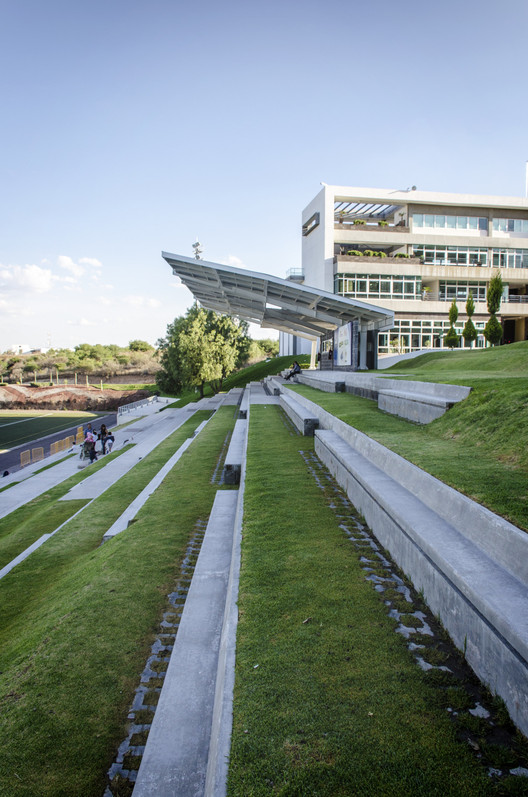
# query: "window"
450, 222
451, 255
510, 225
378, 286
510, 258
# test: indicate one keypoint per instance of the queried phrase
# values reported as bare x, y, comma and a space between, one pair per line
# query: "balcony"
295, 275
350, 224
401, 261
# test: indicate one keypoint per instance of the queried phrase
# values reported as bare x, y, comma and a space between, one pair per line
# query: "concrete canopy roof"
272, 302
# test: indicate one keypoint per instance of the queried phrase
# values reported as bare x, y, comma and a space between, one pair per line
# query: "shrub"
359, 222
451, 338
401, 254
493, 331
380, 254
355, 252
369, 253
383, 223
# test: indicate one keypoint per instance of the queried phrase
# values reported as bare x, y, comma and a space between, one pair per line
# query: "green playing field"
24, 426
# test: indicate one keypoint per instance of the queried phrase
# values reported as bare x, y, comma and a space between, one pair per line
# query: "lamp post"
197, 246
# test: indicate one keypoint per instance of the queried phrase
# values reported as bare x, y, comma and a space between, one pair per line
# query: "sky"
129, 127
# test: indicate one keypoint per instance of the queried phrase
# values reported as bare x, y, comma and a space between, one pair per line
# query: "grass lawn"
24, 426
328, 700
78, 619
480, 446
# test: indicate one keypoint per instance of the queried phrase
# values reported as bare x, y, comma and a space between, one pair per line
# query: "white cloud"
233, 260
141, 301
30, 278
91, 261
67, 263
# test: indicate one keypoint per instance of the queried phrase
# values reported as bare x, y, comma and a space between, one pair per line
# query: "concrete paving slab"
151, 432
30, 488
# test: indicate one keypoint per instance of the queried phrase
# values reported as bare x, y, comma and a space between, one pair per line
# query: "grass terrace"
328, 699
77, 621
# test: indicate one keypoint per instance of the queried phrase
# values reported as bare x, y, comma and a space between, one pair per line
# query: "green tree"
200, 347
469, 332
451, 338
453, 313
493, 329
140, 345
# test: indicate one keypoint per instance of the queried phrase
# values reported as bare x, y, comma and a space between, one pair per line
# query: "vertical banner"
344, 345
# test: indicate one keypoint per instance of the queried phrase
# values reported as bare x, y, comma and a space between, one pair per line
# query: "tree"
200, 347
140, 345
493, 329
451, 338
469, 332
453, 313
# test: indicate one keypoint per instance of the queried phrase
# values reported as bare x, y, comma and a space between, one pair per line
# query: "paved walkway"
146, 432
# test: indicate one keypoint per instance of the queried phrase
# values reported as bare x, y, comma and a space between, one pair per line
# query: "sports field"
24, 426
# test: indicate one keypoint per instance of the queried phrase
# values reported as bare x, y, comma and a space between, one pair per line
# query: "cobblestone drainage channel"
481, 720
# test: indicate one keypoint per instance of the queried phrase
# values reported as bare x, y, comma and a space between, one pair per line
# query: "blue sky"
131, 127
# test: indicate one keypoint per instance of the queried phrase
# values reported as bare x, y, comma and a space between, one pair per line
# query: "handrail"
135, 405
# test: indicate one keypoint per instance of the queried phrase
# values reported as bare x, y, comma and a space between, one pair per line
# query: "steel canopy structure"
272, 302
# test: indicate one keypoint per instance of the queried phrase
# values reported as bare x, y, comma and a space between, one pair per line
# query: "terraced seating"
304, 420
235, 453
471, 564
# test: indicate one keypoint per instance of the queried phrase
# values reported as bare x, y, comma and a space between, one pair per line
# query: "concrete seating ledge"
304, 420
471, 564
320, 383
421, 402
235, 453
177, 754
244, 404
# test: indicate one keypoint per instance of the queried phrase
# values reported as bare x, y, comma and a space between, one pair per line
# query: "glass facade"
413, 334
459, 289
510, 225
510, 258
435, 221
451, 255
378, 286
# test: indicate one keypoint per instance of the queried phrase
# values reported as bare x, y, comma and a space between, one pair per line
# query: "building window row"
471, 256
414, 334
510, 258
458, 289
451, 255
433, 221
510, 225
378, 286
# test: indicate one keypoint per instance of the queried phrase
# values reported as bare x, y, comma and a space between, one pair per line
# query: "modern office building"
413, 252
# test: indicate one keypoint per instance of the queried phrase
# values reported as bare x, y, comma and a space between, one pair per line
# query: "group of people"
90, 439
